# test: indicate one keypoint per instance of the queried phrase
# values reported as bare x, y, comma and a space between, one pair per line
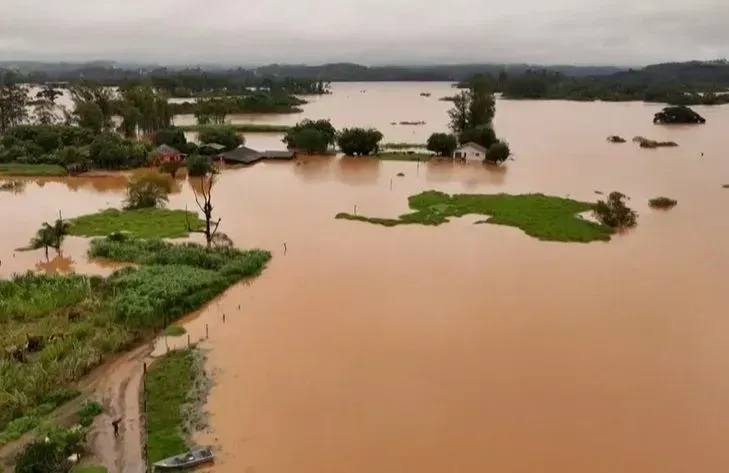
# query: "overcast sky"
245, 32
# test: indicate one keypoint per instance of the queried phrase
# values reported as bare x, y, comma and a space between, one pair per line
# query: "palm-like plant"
44, 238
59, 230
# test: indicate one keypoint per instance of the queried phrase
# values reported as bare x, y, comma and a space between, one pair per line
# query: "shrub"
442, 143
614, 213
311, 136
199, 166
227, 136
662, 203
498, 153
359, 141
89, 410
174, 137
147, 190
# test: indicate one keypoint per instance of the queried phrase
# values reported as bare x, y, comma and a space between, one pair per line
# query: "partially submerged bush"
662, 203
498, 152
88, 411
147, 190
614, 213
651, 144
615, 139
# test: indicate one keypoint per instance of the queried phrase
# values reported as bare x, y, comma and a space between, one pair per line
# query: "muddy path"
117, 385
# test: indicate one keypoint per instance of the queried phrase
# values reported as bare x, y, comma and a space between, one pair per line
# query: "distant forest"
687, 83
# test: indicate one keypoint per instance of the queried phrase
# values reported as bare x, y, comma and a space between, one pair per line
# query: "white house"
470, 152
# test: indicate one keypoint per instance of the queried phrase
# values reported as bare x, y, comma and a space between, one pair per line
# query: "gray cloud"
371, 31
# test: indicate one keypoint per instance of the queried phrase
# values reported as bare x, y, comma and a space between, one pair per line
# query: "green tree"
44, 238
144, 109
442, 143
211, 110
483, 135
359, 141
13, 106
40, 456
171, 168
45, 105
614, 213
311, 136
473, 107
498, 153
227, 136
94, 106
199, 166
147, 190
174, 137
204, 200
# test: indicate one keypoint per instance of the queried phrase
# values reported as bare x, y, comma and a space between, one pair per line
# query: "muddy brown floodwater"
463, 347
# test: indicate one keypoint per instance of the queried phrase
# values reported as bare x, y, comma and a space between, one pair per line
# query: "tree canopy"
359, 141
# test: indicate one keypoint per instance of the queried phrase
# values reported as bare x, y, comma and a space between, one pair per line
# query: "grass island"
141, 223
546, 218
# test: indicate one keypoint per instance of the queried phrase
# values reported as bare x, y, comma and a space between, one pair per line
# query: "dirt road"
117, 385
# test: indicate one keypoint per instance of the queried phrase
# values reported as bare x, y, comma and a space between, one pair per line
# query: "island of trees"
686, 83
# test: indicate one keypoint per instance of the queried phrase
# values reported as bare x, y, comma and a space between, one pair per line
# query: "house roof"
474, 145
278, 154
166, 149
215, 146
243, 155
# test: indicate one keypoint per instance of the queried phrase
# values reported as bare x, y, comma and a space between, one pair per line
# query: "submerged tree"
442, 143
147, 190
50, 236
473, 107
614, 213
45, 105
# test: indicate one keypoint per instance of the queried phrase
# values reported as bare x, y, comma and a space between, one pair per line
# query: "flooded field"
461, 347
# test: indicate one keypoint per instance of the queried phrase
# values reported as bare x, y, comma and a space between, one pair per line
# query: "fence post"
188, 340
207, 334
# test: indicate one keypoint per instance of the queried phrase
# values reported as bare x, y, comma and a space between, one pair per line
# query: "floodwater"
461, 347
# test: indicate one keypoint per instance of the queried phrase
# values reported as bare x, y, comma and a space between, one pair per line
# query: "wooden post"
355, 210
207, 334
390, 183
188, 340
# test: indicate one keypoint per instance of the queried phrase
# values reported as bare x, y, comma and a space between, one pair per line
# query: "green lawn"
403, 146
543, 217
16, 169
90, 469
142, 223
242, 128
394, 156
169, 382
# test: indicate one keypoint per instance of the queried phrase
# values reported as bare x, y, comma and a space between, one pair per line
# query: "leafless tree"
203, 199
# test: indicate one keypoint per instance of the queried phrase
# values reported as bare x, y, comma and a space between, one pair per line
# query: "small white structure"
470, 152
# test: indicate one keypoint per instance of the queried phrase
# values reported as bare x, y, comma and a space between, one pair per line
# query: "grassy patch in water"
175, 331
142, 223
403, 146
17, 169
398, 156
662, 203
543, 217
176, 388
55, 328
241, 128
90, 469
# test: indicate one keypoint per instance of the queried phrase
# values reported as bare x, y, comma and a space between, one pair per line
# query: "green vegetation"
19, 169
498, 152
90, 469
176, 389
50, 451
254, 102
175, 331
147, 190
54, 329
403, 146
663, 203
409, 156
225, 135
50, 236
243, 128
359, 141
543, 217
311, 137
614, 213
142, 223
442, 144
88, 412
679, 114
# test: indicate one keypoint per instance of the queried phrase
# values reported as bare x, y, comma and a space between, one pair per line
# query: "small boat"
187, 460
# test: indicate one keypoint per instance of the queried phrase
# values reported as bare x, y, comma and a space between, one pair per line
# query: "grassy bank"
394, 156
176, 390
403, 146
142, 223
54, 329
543, 217
242, 128
17, 169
